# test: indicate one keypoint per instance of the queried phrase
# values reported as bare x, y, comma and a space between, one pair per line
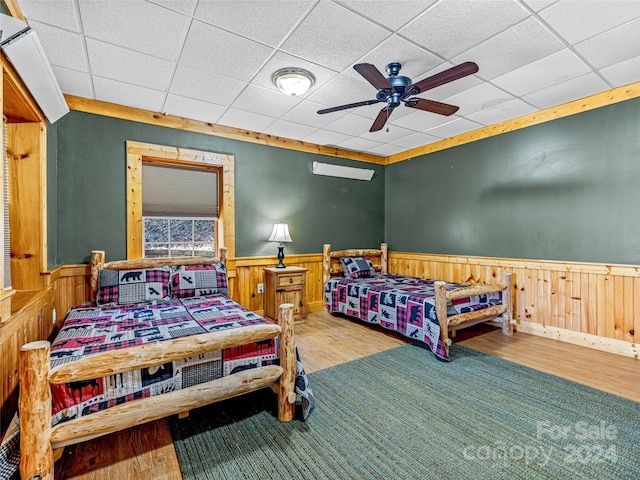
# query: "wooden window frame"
138, 152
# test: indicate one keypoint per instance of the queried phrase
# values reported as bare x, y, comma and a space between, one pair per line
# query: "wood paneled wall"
246, 273
32, 319
590, 304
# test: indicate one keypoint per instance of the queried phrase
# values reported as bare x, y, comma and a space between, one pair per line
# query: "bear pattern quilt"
90, 330
402, 304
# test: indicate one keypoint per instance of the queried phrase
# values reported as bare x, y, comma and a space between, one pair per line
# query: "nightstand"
285, 285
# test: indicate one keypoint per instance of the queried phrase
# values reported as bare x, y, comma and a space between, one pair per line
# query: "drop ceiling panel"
286, 129
194, 109
61, 13
180, 6
74, 82
484, 95
455, 127
306, 114
359, 144
277, 17
416, 140
622, 73
209, 47
246, 120
568, 91
452, 26
134, 95
351, 36
525, 43
127, 66
199, 85
505, 111
590, 19
267, 102
326, 137
62, 48
386, 12
151, 28
612, 46
555, 68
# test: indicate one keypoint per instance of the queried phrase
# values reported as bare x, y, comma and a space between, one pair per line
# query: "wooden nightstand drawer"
290, 280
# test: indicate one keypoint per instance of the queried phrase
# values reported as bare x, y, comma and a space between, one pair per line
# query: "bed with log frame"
421, 309
42, 441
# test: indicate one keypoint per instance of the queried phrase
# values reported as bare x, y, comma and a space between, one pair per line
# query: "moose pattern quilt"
402, 304
90, 330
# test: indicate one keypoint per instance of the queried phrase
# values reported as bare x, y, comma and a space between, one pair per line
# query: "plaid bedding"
402, 304
89, 330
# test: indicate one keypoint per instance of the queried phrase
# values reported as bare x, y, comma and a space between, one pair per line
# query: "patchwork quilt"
89, 330
402, 304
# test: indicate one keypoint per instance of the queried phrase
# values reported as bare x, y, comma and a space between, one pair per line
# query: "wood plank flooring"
324, 341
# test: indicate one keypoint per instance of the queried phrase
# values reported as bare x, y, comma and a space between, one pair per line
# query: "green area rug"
402, 414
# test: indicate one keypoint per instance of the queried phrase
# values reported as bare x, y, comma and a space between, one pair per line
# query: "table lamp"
280, 234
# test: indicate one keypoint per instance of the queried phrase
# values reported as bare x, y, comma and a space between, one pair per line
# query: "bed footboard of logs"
467, 319
39, 440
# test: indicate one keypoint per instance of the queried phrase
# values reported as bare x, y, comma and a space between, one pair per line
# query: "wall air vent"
331, 170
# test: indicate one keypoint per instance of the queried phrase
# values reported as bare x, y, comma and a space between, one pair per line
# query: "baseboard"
315, 306
610, 345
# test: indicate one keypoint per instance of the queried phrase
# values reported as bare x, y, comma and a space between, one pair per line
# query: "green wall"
563, 190
271, 185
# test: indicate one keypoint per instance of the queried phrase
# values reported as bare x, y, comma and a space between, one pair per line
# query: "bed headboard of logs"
331, 266
97, 264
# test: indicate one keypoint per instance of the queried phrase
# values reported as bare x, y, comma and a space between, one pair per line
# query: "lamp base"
281, 257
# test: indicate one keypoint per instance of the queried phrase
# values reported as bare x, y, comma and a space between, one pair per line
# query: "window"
179, 210
179, 237
140, 155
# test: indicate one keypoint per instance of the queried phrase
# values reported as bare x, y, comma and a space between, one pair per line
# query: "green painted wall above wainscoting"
568, 190
87, 201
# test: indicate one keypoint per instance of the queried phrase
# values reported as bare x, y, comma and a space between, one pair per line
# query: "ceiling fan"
396, 89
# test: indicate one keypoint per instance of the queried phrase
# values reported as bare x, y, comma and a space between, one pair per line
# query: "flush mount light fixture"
293, 81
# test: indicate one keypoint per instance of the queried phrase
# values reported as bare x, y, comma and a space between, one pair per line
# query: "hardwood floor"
324, 341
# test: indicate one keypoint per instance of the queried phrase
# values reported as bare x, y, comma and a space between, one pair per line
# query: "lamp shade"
280, 233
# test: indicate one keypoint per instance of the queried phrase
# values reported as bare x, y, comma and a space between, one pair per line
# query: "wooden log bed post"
35, 412
286, 387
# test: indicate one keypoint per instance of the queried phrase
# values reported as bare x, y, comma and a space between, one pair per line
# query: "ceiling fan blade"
349, 105
454, 73
432, 106
372, 75
381, 119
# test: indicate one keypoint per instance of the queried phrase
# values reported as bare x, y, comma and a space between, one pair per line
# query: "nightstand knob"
291, 280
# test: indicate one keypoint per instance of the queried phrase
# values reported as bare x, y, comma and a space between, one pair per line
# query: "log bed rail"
41, 444
331, 267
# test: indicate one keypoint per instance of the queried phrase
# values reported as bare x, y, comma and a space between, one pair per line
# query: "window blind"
179, 192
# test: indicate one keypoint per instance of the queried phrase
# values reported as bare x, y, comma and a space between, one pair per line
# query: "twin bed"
357, 284
162, 338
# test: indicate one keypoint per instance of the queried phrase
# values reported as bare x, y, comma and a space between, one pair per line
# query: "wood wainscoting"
246, 273
589, 304
36, 315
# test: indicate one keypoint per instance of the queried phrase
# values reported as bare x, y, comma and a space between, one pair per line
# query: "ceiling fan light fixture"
293, 81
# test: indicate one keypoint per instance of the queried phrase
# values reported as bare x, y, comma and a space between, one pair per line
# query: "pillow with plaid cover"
125, 287
197, 280
357, 267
